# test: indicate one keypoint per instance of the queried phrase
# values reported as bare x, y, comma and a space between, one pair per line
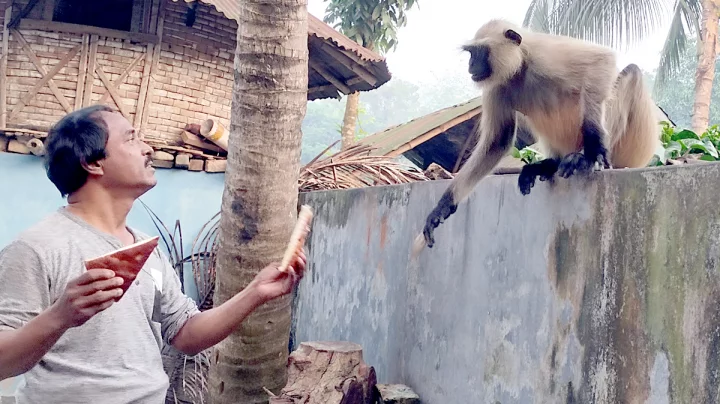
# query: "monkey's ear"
466, 48
513, 36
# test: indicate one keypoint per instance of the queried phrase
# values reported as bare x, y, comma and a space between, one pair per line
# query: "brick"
182, 160
15, 146
185, 91
106, 50
181, 104
163, 163
215, 166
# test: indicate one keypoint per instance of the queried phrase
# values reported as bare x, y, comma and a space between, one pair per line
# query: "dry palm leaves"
355, 168
203, 259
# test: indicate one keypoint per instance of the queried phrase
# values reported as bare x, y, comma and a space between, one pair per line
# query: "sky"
428, 46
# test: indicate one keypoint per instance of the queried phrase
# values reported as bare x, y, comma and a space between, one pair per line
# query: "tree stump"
328, 373
436, 172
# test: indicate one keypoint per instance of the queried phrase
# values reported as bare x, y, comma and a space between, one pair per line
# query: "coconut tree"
373, 24
259, 203
623, 23
706, 65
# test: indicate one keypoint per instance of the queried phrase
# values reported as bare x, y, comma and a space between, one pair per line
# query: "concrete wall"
604, 291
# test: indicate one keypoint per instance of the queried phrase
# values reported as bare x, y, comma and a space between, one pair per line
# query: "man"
61, 324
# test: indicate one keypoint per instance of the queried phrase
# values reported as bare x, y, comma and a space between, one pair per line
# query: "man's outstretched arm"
206, 329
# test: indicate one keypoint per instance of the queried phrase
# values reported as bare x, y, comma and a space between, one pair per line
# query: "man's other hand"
85, 296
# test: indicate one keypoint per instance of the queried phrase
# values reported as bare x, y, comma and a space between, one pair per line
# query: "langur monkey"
570, 95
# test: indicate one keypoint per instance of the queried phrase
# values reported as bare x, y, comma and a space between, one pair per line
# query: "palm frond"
685, 22
538, 14
187, 376
203, 259
616, 23
355, 167
173, 242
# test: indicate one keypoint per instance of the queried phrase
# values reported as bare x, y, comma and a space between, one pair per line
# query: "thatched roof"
338, 65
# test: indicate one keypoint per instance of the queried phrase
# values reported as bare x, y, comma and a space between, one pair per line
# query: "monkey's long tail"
633, 119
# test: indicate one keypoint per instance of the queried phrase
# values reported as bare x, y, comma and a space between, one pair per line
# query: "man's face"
128, 162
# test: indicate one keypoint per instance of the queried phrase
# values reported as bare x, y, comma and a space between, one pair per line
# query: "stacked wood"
196, 165
36, 147
195, 141
215, 166
200, 155
22, 141
16, 146
328, 373
197, 155
182, 160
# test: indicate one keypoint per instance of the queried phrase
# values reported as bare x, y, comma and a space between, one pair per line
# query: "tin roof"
338, 65
401, 138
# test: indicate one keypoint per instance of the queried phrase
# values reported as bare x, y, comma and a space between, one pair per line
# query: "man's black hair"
79, 138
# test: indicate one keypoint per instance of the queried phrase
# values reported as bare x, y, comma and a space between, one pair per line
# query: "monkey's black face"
480, 67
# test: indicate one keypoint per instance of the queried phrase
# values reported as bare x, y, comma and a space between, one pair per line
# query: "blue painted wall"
28, 195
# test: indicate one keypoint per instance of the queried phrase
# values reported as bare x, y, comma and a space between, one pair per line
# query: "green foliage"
676, 97
528, 155
675, 144
371, 23
683, 143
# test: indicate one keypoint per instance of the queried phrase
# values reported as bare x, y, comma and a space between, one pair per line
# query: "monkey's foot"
601, 159
575, 163
442, 211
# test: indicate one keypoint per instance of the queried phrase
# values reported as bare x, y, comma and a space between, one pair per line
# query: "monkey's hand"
544, 169
526, 180
442, 211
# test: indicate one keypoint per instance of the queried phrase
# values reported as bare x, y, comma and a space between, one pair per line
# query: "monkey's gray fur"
570, 94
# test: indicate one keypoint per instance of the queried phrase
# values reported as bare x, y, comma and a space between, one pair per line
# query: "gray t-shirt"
115, 356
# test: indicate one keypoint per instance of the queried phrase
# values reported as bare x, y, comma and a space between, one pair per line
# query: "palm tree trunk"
350, 120
351, 113
259, 203
706, 67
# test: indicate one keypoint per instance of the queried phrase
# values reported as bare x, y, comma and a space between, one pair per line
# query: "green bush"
686, 143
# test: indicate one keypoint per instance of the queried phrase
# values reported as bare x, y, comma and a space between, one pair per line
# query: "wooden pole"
3, 67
